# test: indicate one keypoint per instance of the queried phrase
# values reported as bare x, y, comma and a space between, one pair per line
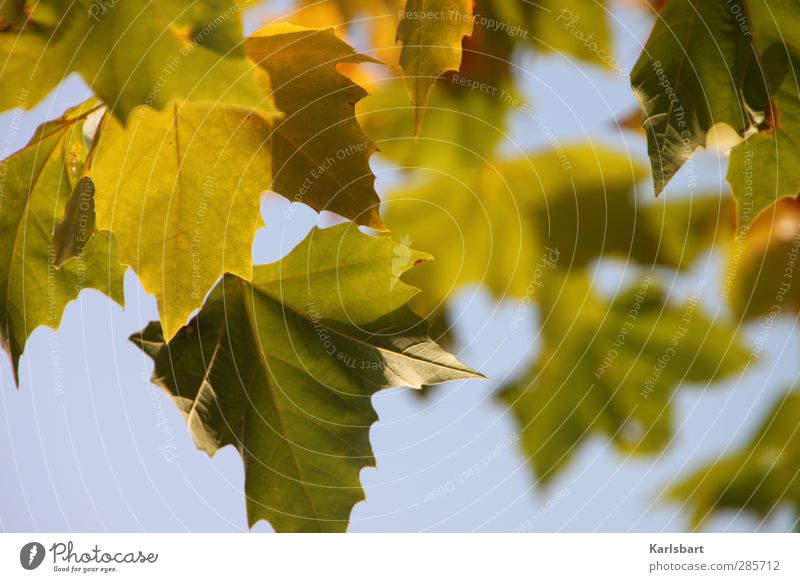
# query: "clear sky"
87, 444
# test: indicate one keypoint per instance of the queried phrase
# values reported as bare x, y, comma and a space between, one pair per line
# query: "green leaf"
320, 154
181, 190
761, 477
688, 78
431, 32
283, 369
626, 359
132, 53
38, 180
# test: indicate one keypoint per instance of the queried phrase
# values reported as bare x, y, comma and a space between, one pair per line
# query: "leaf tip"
419, 118
372, 219
659, 184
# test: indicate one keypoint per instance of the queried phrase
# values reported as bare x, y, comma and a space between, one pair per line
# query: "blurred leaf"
320, 154
37, 181
476, 237
284, 369
686, 228
595, 214
183, 213
132, 53
613, 369
461, 129
761, 477
760, 276
431, 32
496, 225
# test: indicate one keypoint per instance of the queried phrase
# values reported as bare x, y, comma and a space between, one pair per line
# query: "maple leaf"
38, 181
283, 369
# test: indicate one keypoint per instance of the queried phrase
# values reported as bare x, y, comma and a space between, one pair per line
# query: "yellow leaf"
181, 190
